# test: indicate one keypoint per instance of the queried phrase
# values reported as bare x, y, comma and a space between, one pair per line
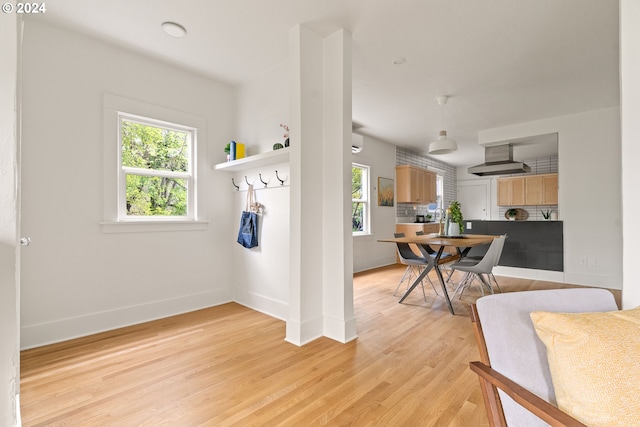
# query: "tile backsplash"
535, 212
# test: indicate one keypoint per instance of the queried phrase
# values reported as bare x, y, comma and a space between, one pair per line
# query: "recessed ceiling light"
173, 29
399, 61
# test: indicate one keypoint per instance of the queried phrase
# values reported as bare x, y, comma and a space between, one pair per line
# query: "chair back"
490, 259
404, 251
508, 339
500, 248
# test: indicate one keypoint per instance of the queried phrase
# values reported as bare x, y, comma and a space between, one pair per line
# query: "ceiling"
500, 62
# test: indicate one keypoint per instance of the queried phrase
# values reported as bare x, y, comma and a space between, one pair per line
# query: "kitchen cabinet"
532, 190
550, 189
415, 185
511, 191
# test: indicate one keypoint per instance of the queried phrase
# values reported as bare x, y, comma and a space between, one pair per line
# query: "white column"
339, 320
321, 289
630, 108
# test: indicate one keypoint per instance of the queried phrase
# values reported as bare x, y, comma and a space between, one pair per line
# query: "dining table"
432, 247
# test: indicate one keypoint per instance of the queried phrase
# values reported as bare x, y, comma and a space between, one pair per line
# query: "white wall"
76, 279
630, 105
368, 253
261, 274
9, 223
590, 196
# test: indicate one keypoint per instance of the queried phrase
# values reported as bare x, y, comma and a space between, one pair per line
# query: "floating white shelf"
259, 160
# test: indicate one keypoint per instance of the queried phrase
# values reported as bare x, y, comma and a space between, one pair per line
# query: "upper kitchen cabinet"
511, 191
415, 185
541, 189
532, 190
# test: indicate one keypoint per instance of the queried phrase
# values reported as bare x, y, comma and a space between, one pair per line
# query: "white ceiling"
500, 61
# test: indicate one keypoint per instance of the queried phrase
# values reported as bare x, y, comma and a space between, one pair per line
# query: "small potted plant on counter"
546, 215
511, 214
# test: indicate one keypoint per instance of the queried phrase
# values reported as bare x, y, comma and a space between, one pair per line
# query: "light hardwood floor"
230, 366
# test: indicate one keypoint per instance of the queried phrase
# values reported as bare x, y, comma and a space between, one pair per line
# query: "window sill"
364, 235
152, 226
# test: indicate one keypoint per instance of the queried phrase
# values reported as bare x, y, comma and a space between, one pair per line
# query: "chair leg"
485, 283
409, 271
432, 285
495, 281
463, 284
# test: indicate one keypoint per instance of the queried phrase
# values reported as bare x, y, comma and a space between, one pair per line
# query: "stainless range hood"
498, 160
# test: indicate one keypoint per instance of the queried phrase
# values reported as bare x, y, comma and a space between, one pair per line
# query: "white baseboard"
65, 329
529, 273
18, 413
301, 333
268, 306
340, 330
370, 264
607, 282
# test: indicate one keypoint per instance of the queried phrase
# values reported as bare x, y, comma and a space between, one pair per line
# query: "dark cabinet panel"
530, 244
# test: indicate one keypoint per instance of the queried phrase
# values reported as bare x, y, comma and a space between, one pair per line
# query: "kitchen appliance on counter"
420, 218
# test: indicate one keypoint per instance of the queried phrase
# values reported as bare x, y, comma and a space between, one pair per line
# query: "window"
149, 163
431, 208
440, 190
156, 169
360, 199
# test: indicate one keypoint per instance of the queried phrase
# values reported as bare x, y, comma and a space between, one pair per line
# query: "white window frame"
440, 190
189, 176
366, 205
113, 222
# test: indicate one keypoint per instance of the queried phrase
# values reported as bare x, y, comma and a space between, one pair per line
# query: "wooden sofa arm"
539, 407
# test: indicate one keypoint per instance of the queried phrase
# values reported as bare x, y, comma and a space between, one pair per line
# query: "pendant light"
443, 145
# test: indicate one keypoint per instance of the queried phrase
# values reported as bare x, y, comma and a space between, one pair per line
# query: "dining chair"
491, 276
475, 269
415, 264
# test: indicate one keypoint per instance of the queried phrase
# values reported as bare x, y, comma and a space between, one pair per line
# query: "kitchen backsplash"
535, 212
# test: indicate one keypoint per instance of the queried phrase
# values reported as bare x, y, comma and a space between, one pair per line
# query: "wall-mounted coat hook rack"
261, 180
234, 184
281, 180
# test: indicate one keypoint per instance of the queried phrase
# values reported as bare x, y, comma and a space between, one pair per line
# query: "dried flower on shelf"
286, 128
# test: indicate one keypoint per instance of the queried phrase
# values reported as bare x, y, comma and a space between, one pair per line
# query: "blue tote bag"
248, 232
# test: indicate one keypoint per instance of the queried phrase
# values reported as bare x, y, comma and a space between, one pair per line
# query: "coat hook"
265, 184
281, 181
234, 184
246, 180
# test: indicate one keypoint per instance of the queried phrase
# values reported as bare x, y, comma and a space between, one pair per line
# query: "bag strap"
249, 198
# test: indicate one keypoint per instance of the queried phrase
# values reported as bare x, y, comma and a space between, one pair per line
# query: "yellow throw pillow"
594, 360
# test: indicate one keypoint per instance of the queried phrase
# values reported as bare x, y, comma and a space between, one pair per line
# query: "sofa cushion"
593, 359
